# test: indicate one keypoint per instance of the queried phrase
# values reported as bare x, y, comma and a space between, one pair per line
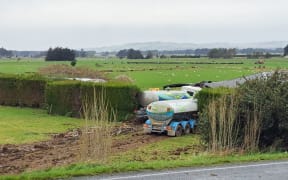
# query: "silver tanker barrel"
147, 97
166, 110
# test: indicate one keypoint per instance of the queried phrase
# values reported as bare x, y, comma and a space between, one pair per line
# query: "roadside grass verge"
26, 125
128, 161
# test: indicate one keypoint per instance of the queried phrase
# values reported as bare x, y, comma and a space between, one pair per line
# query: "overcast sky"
40, 24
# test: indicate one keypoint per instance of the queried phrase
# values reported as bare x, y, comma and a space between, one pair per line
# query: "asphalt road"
250, 171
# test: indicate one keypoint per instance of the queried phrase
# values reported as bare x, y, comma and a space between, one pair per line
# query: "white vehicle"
173, 117
147, 97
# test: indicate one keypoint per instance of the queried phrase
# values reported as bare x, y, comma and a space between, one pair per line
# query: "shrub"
258, 115
271, 96
73, 63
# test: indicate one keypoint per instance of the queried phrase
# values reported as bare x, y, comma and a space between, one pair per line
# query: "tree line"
211, 53
133, 54
249, 53
222, 53
60, 54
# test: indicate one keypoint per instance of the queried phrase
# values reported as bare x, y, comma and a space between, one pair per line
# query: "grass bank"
185, 151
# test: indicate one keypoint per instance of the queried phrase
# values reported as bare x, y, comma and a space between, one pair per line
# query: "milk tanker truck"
147, 97
177, 117
172, 116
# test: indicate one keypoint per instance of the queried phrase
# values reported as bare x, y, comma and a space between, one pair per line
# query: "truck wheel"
179, 131
187, 129
193, 130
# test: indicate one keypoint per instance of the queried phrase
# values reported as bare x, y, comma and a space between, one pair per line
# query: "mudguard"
147, 126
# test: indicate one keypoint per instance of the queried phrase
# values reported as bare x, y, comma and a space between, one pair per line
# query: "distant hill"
144, 46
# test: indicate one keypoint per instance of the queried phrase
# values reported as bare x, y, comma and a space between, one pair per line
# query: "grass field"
25, 125
156, 75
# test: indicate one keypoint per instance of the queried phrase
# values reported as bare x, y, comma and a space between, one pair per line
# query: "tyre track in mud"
62, 149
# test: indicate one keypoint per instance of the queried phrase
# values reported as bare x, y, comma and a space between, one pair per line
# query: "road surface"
250, 171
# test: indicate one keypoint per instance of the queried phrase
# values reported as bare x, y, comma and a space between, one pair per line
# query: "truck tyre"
194, 129
187, 129
179, 131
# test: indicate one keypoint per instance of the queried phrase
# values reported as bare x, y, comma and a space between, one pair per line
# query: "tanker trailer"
173, 117
147, 97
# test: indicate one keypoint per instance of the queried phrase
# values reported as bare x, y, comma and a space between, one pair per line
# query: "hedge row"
24, 90
208, 94
64, 97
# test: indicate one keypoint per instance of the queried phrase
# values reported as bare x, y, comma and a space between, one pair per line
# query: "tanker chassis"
174, 117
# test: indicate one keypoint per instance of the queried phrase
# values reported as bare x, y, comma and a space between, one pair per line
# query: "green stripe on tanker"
147, 97
165, 110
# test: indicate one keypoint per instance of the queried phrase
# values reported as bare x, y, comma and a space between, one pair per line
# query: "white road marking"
194, 170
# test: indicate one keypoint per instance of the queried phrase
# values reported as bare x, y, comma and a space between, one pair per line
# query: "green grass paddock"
25, 125
156, 75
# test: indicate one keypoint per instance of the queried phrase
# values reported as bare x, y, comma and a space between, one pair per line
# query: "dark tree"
256, 55
122, 53
130, 54
204, 51
60, 54
268, 55
149, 55
286, 51
222, 53
134, 54
5, 53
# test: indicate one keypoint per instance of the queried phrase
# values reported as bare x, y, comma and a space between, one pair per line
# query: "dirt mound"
63, 149
58, 70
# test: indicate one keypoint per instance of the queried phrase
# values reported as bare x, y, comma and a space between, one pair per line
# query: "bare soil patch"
63, 149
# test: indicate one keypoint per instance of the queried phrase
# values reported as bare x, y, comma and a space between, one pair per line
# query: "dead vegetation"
224, 127
63, 70
124, 78
230, 126
96, 139
252, 129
